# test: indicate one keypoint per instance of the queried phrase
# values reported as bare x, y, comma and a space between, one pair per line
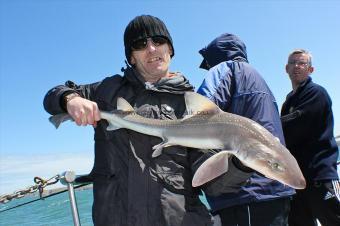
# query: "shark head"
275, 162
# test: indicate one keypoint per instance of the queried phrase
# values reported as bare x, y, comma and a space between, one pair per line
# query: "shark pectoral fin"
56, 120
197, 104
213, 167
156, 153
159, 147
123, 105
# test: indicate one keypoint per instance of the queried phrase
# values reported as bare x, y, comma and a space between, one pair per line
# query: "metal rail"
67, 178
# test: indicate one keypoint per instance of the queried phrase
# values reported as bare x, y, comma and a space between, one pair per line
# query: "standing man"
236, 87
129, 186
307, 121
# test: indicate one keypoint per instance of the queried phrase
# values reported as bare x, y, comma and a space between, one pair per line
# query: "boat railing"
67, 178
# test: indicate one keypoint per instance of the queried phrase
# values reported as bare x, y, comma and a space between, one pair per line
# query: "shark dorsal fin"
198, 104
123, 105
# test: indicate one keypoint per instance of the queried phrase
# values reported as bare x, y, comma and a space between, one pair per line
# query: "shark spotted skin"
207, 127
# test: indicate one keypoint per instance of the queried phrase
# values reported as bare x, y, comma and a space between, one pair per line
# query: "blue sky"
44, 43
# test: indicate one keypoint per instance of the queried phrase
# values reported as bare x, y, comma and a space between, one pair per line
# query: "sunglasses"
142, 43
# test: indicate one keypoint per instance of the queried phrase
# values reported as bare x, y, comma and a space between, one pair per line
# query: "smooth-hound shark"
206, 126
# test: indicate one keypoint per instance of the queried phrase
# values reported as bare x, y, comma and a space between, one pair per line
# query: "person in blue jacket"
307, 121
236, 87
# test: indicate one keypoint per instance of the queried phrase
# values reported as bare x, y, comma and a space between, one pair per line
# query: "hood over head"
223, 48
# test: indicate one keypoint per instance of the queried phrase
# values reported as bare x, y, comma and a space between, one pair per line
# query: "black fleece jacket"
308, 124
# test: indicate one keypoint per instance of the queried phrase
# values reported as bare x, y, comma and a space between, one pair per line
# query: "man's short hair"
302, 51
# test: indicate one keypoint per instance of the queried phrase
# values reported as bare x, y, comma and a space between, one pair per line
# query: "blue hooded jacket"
236, 87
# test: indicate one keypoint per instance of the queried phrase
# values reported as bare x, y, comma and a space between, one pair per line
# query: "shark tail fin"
56, 120
213, 167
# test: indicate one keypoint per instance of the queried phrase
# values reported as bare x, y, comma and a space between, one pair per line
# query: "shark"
205, 127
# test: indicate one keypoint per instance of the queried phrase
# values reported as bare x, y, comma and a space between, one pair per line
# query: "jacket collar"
300, 87
175, 84
303, 84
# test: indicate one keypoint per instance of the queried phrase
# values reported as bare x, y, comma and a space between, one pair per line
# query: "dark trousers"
266, 213
318, 201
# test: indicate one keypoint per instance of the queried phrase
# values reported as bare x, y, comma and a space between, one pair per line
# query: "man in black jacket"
307, 121
130, 187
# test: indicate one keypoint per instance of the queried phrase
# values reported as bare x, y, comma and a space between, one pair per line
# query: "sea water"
54, 210
51, 211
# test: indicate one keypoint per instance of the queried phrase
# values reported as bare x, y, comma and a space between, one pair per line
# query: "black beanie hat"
144, 26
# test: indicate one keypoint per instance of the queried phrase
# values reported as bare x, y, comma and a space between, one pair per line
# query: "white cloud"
17, 171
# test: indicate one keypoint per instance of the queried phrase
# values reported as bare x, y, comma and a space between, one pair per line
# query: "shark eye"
276, 166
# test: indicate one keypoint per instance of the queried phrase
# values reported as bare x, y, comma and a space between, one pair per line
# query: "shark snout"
293, 175
299, 183
287, 171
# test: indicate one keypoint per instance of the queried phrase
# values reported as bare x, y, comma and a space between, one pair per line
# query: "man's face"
153, 61
298, 68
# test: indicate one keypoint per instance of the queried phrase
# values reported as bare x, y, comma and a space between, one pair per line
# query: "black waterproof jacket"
308, 125
131, 187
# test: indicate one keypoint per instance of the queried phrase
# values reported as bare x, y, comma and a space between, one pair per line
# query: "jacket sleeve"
216, 80
263, 109
54, 99
314, 106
